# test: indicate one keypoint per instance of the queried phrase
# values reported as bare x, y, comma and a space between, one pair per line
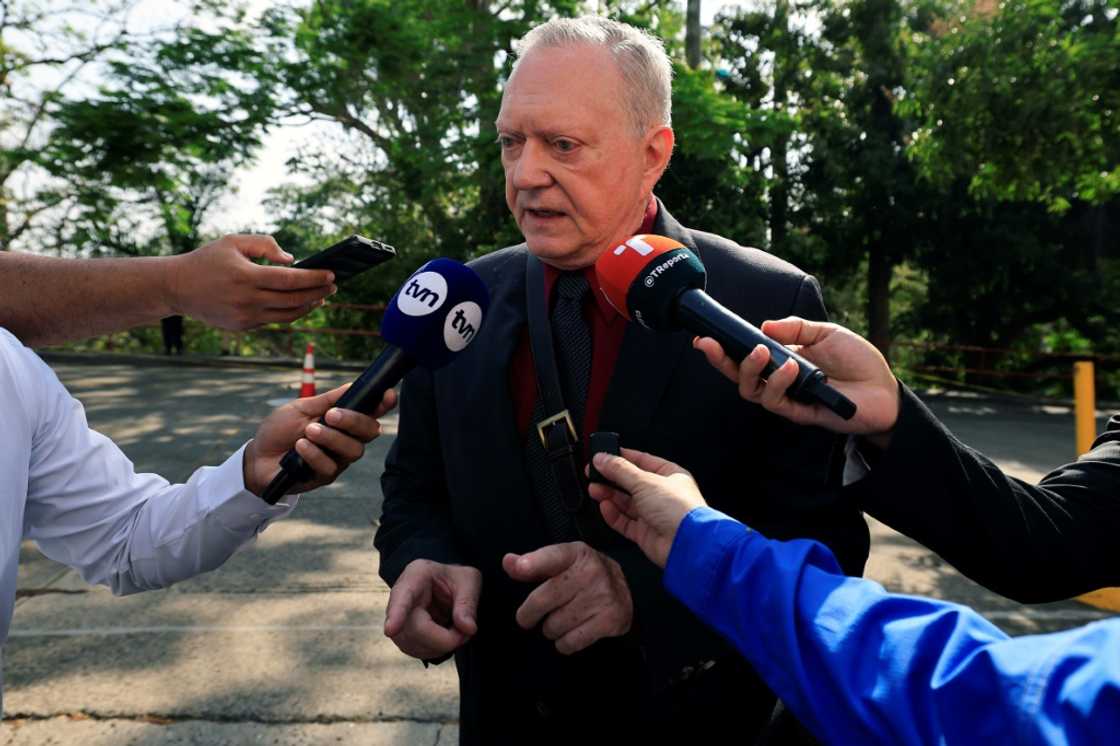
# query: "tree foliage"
45, 51
1022, 100
153, 150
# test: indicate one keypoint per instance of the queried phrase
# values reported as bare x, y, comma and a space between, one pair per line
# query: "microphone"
659, 283
434, 315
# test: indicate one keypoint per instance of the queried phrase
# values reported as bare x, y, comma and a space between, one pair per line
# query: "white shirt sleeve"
855, 465
88, 508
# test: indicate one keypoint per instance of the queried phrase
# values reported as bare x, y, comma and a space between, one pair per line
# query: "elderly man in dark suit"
555, 624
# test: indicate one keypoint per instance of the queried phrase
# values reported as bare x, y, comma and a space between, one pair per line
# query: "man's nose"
531, 171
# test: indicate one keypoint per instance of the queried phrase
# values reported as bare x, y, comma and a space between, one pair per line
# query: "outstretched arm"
1030, 543
45, 300
88, 508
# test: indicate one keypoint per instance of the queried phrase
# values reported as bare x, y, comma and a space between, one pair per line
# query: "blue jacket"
859, 665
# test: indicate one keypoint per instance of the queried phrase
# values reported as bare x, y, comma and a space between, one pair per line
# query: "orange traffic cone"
307, 384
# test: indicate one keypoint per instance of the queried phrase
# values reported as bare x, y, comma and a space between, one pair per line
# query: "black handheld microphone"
659, 283
434, 316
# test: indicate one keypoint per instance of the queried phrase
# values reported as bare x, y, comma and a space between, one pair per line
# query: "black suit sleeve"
416, 515
1030, 543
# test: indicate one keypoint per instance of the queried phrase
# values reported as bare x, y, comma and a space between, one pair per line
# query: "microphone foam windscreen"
643, 277
437, 312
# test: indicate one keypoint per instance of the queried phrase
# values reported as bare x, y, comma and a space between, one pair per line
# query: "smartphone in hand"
349, 257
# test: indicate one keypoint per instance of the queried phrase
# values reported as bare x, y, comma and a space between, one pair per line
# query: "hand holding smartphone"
349, 257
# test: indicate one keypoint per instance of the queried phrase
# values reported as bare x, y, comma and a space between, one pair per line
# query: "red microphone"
659, 283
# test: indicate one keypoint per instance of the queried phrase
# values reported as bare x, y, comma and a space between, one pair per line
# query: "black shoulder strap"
557, 432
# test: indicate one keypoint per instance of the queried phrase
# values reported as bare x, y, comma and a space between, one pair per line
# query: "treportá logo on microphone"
662, 268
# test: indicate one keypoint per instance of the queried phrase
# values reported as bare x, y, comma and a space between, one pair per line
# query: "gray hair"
646, 71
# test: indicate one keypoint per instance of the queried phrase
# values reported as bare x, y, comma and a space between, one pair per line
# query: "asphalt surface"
283, 644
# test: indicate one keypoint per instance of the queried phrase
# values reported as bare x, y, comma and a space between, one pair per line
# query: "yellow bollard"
1085, 404
1085, 414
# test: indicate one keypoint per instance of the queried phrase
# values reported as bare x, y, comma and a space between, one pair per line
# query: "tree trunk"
879, 272
6, 208
5, 230
779, 192
692, 34
779, 198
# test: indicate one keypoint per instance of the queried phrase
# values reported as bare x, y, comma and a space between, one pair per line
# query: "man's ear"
657, 150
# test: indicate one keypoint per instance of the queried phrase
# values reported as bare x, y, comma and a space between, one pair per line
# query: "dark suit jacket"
456, 490
1030, 543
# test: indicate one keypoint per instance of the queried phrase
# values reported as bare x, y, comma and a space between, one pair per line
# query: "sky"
269, 170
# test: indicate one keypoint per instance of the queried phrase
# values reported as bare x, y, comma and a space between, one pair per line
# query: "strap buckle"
544, 424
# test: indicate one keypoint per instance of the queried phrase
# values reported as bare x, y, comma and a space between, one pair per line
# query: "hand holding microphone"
854, 367
659, 283
434, 316
328, 449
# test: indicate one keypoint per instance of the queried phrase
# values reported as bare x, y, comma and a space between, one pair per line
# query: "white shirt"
74, 492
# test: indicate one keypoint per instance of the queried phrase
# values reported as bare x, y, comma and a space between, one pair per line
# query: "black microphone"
659, 283
434, 316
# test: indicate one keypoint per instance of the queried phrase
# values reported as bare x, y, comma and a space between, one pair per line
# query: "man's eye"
564, 146
505, 142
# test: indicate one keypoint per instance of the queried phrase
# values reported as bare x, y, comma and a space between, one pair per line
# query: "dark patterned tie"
572, 340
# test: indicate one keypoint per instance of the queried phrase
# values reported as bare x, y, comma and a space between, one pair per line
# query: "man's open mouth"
537, 213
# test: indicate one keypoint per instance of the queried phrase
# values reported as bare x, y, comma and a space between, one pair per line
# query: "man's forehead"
559, 87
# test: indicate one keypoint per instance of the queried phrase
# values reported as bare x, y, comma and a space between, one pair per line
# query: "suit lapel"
647, 360
489, 391
492, 460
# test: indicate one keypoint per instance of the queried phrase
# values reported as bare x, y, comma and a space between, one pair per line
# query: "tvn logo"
425, 293
422, 294
462, 325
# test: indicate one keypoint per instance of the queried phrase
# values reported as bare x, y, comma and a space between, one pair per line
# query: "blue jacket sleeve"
859, 665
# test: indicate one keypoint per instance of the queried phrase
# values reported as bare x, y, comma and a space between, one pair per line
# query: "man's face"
577, 177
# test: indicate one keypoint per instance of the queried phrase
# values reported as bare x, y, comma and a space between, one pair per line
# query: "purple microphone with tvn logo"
433, 317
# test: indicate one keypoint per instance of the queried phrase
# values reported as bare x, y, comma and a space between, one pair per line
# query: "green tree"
1021, 100
997, 268
766, 66
44, 50
152, 151
1017, 126
842, 195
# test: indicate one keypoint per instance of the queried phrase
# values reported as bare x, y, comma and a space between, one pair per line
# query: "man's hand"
220, 285
328, 450
433, 608
658, 495
582, 599
853, 366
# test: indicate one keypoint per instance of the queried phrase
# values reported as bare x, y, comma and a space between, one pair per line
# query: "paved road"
283, 644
